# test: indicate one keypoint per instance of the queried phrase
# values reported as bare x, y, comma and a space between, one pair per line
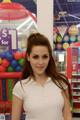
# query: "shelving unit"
73, 74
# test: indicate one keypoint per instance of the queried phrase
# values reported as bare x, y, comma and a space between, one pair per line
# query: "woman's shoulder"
22, 82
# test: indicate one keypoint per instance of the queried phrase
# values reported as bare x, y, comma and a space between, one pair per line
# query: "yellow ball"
73, 30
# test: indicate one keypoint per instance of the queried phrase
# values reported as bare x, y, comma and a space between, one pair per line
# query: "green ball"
21, 61
10, 69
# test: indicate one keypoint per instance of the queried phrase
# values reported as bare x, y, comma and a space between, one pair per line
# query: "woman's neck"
41, 79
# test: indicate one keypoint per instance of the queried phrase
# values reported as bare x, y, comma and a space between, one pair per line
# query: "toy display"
64, 36
16, 23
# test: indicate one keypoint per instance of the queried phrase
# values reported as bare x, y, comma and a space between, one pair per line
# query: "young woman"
43, 92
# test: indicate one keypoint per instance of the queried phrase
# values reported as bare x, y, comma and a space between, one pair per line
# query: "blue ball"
9, 56
3, 55
14, 63
18, 68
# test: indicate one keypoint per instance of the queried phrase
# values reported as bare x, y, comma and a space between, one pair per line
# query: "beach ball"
73, 30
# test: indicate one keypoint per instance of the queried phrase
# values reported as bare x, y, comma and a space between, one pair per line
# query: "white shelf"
76, 101
76, 74
76, 81
75, 88
75, 94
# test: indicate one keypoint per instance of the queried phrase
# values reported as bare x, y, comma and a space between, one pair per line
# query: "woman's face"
39, 59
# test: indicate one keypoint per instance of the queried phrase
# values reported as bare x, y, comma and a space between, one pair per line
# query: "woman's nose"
40, 61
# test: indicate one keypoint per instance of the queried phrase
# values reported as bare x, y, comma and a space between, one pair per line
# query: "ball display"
73, 30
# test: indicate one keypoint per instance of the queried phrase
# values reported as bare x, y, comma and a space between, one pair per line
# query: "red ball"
24, 54
2, 69
5, 63
18, 55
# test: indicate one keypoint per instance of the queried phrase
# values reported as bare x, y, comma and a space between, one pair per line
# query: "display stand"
73, 74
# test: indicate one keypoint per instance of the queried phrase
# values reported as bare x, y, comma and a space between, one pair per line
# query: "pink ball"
18, 55
5, 63
2, 69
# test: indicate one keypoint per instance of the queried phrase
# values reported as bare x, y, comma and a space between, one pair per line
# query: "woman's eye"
35, 57
45, 56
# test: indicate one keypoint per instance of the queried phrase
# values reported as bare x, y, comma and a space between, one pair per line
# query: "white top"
40, 102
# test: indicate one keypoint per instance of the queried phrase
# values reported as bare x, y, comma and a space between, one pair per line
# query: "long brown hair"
37, 39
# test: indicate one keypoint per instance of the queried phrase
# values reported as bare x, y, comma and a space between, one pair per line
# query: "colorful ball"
18, 68
65, 45
3, 55
66, 38
73, 30
10, 69
73, 38
17, 55
5, 63
21, 61
24, 54
2, 69
59, 46
9, 56
14, 63
58, 38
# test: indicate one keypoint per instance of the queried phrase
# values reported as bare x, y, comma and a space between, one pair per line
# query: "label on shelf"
2, 116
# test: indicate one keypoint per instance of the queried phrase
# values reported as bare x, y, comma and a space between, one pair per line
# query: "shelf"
76, 81
76, 74
76, 94
76, 111
76, 101
75, 88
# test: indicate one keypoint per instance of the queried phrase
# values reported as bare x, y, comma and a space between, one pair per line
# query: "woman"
43, 92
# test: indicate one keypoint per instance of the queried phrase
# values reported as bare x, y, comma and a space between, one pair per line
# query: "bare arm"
66, 111
16, 108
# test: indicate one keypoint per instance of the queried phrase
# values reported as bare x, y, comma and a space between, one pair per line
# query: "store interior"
19, 23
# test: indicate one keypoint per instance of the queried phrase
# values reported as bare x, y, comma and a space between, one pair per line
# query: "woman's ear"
28, 58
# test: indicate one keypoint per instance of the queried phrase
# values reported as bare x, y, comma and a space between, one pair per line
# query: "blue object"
14, 63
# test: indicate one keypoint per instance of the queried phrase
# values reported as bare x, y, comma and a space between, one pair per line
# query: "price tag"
8, 37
